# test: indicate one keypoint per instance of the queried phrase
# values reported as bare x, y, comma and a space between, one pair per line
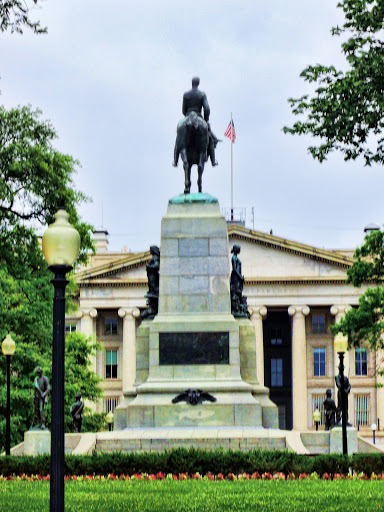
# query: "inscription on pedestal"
183, 348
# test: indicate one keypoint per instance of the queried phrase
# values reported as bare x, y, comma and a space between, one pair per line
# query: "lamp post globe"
341, 346
61, 245
8, 347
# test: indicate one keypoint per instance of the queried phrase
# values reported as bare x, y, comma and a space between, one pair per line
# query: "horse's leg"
200, 170
187, 171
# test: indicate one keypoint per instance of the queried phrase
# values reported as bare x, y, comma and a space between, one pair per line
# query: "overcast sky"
110, 76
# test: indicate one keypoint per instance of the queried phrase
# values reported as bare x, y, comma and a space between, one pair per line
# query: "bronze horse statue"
195, 141
192, 145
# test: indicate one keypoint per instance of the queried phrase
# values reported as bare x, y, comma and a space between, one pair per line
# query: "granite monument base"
37, 442
195, 342
336, 440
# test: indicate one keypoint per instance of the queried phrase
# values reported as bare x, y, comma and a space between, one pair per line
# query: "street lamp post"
61, 243
341, 346
8, 346
373, 428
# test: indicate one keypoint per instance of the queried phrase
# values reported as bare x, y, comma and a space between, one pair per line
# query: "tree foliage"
34, 179
346, 111
15, 16
365, 324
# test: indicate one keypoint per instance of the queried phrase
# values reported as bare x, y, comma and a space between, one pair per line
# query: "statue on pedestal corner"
239, 306
152, 296
195, 141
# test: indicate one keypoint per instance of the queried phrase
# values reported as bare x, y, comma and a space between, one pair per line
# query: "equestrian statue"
195, 142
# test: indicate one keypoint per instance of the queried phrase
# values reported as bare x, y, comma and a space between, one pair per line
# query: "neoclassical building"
295, 292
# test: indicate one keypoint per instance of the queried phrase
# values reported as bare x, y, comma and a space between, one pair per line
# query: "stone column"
87, 327
299, 367
129, 316
257, 315
339, 312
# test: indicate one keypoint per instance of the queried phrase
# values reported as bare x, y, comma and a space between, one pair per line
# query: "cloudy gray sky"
110, 76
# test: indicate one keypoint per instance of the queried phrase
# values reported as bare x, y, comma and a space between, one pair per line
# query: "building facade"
295, 292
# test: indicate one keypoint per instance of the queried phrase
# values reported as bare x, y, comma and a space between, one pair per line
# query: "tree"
346, 111
365, 324
34, 179
14, 15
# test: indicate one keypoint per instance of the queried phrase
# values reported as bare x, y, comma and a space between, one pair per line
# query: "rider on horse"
196, 101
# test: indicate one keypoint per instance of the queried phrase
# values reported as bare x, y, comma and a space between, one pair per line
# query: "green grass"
191, 496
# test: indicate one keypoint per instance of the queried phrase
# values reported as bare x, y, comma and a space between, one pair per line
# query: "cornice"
321, 280
114, 283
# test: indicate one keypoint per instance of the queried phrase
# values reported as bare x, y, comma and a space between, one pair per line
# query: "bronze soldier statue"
347, 389
41, 391
77, 413
329, 410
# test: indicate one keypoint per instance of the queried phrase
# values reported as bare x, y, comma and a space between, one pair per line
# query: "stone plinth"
37, 442
336, 440
195, 342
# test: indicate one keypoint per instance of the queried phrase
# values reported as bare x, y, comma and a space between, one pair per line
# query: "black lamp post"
8, 346
61, 243
341, 346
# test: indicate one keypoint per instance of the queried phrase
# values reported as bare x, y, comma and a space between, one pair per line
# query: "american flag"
230, 130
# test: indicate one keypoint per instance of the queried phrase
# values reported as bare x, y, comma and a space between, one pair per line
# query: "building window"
276, 372
360, 361
111, 364
362, 410
111, 403
319, 362
318, 323
276, 337
110, 326
317, 403
70, 328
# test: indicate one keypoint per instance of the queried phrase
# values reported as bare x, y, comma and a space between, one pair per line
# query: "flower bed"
197, 476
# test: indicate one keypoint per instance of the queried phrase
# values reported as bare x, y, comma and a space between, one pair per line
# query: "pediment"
271, 258
124, 269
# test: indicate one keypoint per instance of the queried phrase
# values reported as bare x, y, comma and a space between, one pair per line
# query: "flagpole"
231, 169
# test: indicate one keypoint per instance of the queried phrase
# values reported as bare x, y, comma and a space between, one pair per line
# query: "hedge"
193, 460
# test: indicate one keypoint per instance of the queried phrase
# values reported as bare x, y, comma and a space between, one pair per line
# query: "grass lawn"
188, 496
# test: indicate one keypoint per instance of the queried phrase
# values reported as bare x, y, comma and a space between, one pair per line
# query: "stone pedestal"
336, 440
194, 342
37, 442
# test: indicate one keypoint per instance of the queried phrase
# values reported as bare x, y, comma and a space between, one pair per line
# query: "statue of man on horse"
195, 142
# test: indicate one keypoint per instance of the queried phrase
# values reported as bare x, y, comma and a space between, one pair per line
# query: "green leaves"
34, 178
14, 16
347, 111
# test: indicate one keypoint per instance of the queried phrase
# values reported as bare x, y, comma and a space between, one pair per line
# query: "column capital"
340, 309
133, 312
92, 312
260, 311
298, 310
